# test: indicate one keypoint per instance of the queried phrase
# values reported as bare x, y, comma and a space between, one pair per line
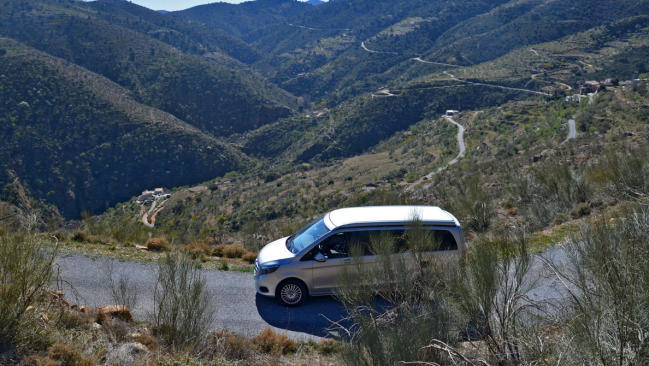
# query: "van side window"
437, 240
359, 243
397, 241
335, 246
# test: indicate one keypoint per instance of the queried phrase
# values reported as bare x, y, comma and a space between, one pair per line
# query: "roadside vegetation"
39, 327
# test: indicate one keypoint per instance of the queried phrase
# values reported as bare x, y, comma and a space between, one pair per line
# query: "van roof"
386, 215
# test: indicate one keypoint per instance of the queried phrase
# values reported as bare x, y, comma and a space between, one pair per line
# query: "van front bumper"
265, 284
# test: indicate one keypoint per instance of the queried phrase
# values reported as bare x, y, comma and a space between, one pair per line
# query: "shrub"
274, 343
40, 361
182, 305
68, 356
249, 257
473, 203
79, 236
25, 270
608, 311
490, 291
196, 249
217, 251
123, 290
228, 346
233, 251
158, 245
70, 319
411, 307
328, 346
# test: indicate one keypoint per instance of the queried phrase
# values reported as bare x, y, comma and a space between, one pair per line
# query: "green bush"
411, 308
608, 309
25, 271
490, 291
183, 307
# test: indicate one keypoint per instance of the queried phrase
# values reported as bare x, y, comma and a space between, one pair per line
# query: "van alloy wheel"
292, 293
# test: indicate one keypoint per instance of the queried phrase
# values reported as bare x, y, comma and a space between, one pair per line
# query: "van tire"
291, 292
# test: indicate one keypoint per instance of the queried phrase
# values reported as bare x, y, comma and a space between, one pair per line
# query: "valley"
526, 119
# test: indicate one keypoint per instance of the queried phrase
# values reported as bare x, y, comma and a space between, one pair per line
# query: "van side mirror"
319, 257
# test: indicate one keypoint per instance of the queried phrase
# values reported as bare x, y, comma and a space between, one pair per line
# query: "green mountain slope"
220, 99
618, 49
188, 36
242, 19
81, 142
328, 63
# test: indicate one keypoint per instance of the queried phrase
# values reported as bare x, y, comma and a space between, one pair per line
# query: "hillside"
78, 141
505, 146
321, 56
556, 68
364, 71
243, 19
220, 98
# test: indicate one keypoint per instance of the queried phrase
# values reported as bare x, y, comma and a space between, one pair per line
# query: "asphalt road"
460, 144
239, 309
572, 130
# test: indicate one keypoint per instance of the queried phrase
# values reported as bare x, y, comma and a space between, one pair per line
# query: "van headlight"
267, 269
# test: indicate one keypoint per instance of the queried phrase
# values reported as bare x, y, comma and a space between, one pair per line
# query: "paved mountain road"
460, 144
572, 130
237, 307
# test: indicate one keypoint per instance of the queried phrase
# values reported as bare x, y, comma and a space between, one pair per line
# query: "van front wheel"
291, 292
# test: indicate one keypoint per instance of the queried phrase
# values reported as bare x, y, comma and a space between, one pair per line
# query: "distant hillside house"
451, 112
148, 195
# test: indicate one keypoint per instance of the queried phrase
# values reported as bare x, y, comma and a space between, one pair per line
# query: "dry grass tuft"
233, 251
68, 356
274, 343
328, 346
217, 251
158, 245
249, 257
40, 361
228, 346
196, 249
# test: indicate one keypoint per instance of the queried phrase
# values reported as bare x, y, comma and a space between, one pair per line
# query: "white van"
310, 261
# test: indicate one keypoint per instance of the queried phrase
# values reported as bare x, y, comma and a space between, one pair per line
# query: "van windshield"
307, 235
